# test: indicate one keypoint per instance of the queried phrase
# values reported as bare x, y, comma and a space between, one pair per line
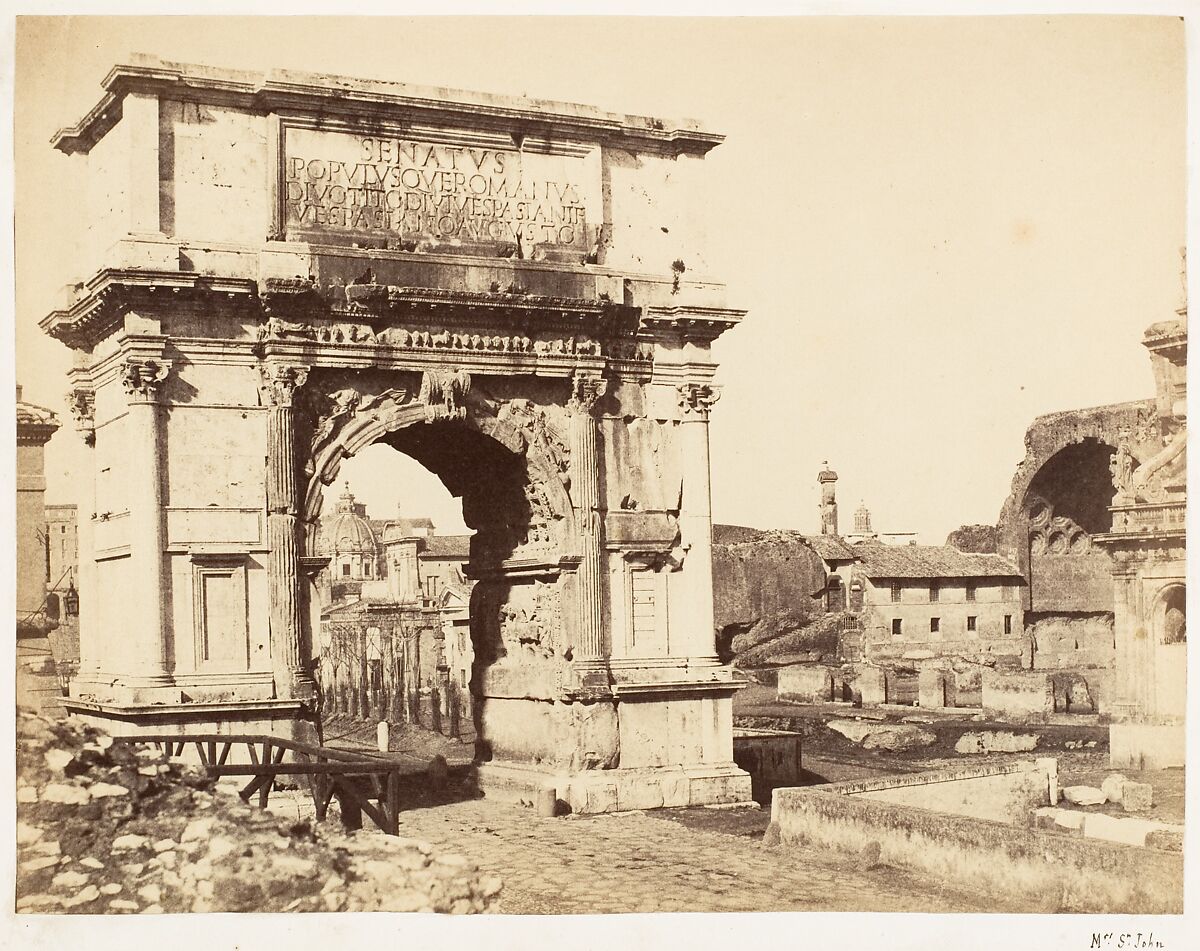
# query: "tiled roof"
831, 547
929, 561
29, 415
447, 546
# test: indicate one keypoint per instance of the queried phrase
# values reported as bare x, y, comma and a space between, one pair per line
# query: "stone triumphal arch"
283, 269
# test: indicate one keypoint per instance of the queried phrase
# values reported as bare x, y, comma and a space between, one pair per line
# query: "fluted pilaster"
292, 676
585, 485
146, 645
695, 517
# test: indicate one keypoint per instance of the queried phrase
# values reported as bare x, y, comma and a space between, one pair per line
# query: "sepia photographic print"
612, 466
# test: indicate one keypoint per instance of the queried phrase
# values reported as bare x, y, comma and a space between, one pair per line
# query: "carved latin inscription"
428, 192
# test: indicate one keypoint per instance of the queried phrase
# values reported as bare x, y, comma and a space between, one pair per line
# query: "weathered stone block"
1111, 787
996, 741
1083, 795
872, 685
1137, 797
931, 687
900, 737
1018, 694
806, 684
1168, 840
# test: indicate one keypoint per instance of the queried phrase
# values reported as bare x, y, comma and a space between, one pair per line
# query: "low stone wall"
1005, 793
1072, 642
1086, 691
1017, 694
1146, 745
1054, 872
771, 757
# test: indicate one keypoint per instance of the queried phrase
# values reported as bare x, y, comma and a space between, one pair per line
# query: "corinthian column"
82, 401
695, 517
146, 660
586, 390
292, 677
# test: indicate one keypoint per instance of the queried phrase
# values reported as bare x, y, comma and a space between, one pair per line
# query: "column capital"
696, 399
82, 402
279, 382
586, 390
143, 377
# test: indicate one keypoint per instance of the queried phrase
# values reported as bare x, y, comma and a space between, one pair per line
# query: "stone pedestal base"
617, 790
1146, 745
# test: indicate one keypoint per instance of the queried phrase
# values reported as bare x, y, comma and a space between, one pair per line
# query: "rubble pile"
106, 827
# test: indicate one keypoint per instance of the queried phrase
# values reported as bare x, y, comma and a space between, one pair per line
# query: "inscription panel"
420, 194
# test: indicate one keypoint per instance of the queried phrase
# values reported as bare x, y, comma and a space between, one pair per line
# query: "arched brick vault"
1070, 452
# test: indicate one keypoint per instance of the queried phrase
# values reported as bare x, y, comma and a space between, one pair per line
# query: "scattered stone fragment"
111, 888
36, 865
1168, 840
27, 834
37, 901
151, 893
90, 862
1137, 797
69, 879
1112, 785
87, 895
129, 842
152, 910
104, 790
1083, 795
58, 759
26, 794
197, 830
123, 904
996, 741
69, 795
162, 845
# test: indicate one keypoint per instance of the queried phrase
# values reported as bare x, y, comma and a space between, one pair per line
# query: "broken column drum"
279, 270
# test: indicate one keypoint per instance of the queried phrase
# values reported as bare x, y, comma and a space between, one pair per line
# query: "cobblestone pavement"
634, 862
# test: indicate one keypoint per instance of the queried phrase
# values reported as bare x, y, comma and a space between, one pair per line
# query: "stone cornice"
102, 302
287, 90
702, 324
293, 298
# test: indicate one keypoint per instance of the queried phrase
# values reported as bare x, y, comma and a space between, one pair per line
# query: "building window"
897, 588
367, 568
897, 626
835, 596
970, 592
934, 594
462, 677
935, 625
970, 622
346, 570
1008, 624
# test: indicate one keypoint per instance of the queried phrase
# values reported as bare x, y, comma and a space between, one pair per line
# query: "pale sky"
941, 228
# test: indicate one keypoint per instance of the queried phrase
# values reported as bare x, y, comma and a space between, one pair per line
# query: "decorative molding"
81, 401
143, 377
697, 399
587, 388
445, 390
280, 381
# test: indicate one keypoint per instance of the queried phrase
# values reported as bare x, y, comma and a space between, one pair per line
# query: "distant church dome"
347, 532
